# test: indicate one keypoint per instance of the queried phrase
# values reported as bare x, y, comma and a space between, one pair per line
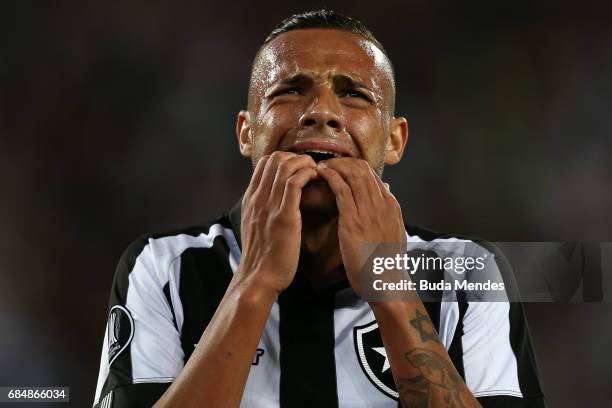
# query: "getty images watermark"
448, 270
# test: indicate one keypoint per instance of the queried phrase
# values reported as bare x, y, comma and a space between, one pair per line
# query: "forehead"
320, 53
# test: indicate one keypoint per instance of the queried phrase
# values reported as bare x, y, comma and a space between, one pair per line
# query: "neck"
320, 257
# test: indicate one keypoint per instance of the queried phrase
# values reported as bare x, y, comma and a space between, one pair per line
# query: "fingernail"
322, 164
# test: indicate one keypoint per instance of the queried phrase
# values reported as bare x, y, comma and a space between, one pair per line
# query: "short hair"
323, 19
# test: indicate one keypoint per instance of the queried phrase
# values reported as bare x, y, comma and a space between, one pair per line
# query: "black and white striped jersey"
318, 348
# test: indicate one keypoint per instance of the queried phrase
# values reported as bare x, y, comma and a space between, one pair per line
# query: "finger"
344, 195
387, 191
285, 170
256, 177
359, 176
293, 187
390, 197
269, 173
380, 185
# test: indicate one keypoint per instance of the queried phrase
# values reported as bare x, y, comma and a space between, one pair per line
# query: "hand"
271, 224
368, 212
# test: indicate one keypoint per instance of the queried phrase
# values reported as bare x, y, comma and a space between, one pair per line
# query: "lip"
320, 145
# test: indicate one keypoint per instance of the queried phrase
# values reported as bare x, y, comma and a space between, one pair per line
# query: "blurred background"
117, 119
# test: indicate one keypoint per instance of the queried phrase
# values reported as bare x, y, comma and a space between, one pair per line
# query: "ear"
243, 132
397, 141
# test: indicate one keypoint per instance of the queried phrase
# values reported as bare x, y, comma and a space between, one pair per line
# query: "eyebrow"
301, 78
350, 82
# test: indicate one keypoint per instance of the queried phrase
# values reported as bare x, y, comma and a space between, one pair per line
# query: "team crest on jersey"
373, 359
120, 331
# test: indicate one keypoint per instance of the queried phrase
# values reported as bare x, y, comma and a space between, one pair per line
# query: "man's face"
320, 90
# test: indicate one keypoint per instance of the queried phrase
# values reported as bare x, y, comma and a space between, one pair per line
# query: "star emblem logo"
370, 351
383, 352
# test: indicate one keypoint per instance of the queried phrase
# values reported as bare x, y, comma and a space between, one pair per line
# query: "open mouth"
318, 155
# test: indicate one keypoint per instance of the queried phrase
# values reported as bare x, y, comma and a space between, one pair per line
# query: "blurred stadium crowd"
117, 119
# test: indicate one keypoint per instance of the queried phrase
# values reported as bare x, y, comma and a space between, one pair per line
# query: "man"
264, 307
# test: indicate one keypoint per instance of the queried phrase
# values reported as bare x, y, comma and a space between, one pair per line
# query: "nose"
321, 113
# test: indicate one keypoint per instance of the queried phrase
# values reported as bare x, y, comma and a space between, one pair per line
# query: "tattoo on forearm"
435, 375
421, 322
414, 392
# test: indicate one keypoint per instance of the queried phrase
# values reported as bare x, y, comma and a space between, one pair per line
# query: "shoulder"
498, 268
429, 235
438, 239
170, 244
156, 252
153, 260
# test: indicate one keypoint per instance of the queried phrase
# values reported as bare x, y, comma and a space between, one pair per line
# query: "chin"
318, 199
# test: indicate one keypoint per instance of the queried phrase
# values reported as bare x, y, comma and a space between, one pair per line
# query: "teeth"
319, 155
322, 152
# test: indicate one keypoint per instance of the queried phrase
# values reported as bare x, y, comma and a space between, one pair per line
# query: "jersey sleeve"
141, 352
497, 358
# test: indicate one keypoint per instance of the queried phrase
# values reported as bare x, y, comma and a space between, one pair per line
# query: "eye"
352, 93
289, 91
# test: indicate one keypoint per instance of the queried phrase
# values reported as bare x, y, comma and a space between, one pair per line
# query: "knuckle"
263, 160
284, 167
363, 164
255, 198
293, 182
344, 190
306, 158
281, 155
282, 218
272, 161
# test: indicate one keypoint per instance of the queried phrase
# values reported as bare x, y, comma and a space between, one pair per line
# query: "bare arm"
271, 224
422, 369
219, 366
369, 213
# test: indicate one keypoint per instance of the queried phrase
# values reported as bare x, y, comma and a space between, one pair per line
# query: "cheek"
369, 133
272, 126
